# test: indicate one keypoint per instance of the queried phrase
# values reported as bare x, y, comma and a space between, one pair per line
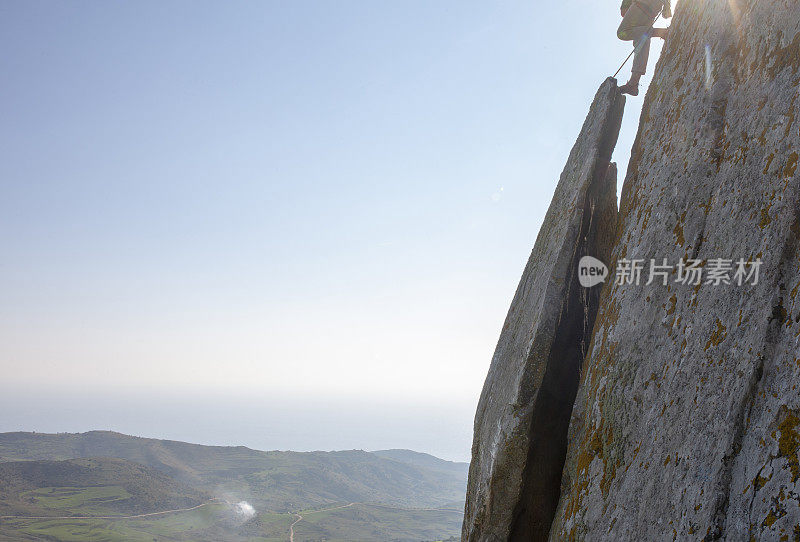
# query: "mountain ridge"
239, 494
271, 479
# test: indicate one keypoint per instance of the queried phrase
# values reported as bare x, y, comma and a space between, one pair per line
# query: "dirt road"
116, 517
299, 517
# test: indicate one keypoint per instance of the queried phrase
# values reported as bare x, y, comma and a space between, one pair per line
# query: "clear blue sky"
282, 198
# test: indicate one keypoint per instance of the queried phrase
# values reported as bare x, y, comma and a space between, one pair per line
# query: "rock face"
686, 422
523, 415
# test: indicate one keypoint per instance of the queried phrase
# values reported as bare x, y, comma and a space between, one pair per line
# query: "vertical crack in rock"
722, 497
553, 405
523, 414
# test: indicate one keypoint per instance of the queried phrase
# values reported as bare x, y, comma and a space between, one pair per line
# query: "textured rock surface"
523, 415
687, 421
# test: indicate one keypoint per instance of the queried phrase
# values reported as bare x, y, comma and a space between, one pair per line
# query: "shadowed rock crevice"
553, 406
523, 415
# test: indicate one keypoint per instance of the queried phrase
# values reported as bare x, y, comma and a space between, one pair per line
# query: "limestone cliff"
686, 422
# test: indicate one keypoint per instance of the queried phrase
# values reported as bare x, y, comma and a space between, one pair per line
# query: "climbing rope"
623, 64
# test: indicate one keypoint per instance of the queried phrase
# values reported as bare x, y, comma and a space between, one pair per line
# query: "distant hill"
352, 495
97, 486
277, 480
425, 460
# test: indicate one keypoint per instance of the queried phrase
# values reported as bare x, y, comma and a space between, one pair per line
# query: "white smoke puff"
244, 509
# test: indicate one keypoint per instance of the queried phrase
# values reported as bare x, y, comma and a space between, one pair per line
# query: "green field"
98, 500
198, 524
216, 522
369, 522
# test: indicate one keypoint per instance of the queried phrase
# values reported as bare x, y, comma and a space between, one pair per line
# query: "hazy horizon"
263, 423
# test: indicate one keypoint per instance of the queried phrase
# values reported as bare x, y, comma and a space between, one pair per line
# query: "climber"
638, 17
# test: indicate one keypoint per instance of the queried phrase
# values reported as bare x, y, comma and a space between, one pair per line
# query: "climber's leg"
640, 56
636, 27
